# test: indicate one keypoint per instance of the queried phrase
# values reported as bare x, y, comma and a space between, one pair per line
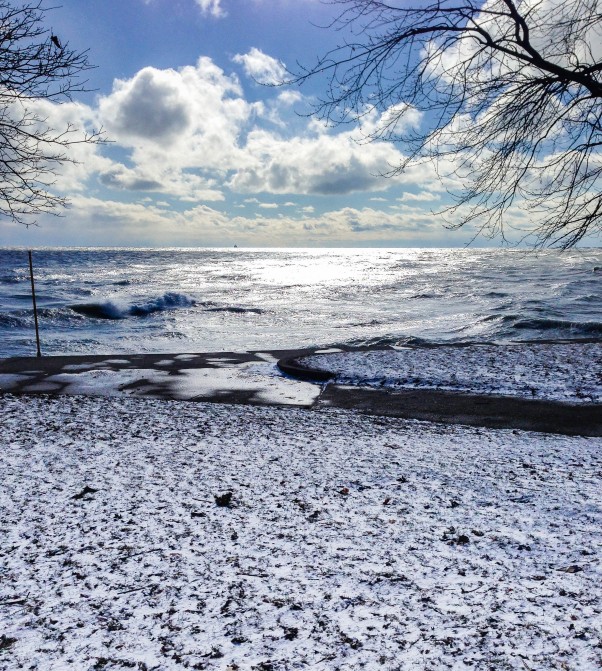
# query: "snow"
350, 541
259, 379
264, 380
11, 380
570, 372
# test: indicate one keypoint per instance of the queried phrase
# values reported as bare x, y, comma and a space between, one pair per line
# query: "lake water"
185, 300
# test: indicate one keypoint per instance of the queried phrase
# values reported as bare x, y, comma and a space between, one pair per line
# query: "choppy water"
105, 301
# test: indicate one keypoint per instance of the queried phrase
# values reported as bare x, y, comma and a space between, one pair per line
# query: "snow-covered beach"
348, 541
568, 372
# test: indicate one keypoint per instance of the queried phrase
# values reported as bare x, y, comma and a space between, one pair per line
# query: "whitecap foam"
113, 310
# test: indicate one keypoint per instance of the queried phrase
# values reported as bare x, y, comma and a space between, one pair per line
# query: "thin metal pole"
35, 307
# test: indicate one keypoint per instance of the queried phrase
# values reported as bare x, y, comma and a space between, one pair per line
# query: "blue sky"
203, 155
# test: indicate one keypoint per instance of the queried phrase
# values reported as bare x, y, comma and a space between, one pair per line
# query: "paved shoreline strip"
250, 378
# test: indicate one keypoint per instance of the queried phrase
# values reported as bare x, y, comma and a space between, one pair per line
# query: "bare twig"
504, 97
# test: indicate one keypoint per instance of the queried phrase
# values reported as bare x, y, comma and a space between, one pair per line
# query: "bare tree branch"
509, 97
34, 66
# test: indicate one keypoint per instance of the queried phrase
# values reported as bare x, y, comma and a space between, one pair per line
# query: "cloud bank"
185, 139
192, 134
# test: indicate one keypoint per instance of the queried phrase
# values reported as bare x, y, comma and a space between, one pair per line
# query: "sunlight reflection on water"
253, 299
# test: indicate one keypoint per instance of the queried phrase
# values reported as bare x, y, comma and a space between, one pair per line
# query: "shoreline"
252, 378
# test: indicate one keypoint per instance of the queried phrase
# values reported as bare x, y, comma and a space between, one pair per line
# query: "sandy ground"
147, 534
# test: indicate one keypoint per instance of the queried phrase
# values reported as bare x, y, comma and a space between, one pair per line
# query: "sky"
204, 152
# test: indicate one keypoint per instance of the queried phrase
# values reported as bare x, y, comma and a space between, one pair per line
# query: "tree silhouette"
34, 67
504, 96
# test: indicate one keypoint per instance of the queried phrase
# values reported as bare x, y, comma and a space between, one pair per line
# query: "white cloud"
96, 221
261, 67
185, 186
422, 196
182, 128
196, 118
394, 121
85, 158
549, 34
288, 98
191, 134
325, 165
211, 7
191, 117
153, 106
121, 177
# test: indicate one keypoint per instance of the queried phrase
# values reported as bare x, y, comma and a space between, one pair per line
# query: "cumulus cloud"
189, 117
549, 34
261, 67
153, 106
197, 119
191, 134
288, 98
77, 120
185, 186
120, 177
323, 164
183, 129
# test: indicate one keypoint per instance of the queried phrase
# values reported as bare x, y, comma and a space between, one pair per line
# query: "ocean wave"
587, 298
237, 310
113, 310
50, 316
11, 279
503, 319
387, 341
372, 322
39, 296
11, 321
56, 315
81, 292
425, 296
544, 325
580, 328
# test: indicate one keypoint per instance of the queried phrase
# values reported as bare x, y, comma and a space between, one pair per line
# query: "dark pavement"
257, 378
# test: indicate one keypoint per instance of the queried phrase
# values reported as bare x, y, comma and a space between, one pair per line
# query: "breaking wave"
542, 327
112, 310
98, 301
